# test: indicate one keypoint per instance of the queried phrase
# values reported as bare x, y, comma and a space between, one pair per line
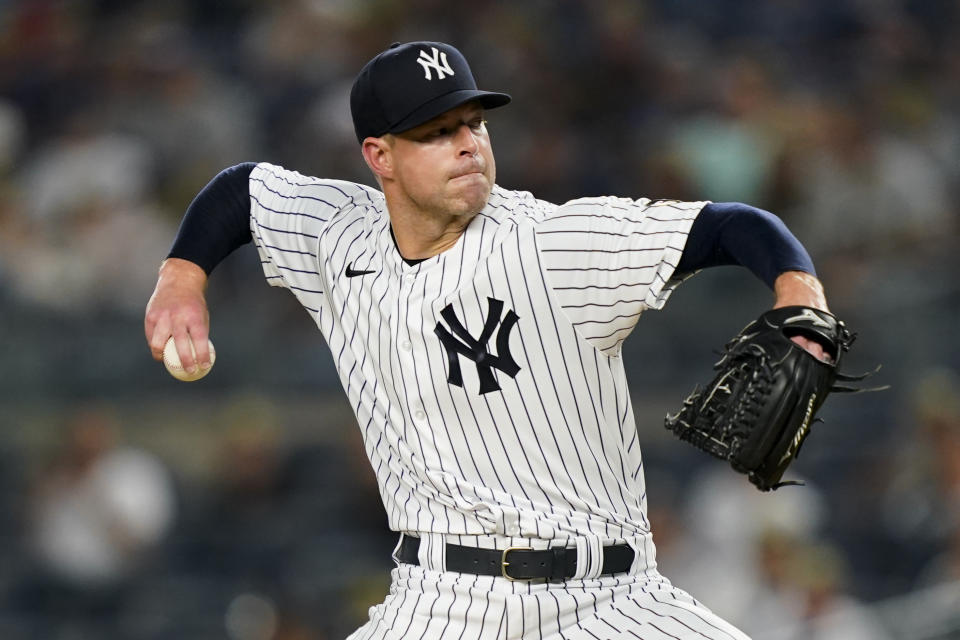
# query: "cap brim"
442, 104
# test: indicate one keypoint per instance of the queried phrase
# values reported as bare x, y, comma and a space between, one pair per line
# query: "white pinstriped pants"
428, 604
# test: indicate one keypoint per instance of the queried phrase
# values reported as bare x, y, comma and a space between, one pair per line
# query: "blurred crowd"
841, 116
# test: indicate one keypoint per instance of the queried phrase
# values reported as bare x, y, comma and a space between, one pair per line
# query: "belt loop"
589, 558
396, 550
432, 553
639, 556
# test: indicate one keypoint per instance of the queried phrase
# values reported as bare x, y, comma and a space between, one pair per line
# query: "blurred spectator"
193, 120
89, 239
100, 506
810, 581
730, 151
760, 559
86, 167
922, 502
778, 600
864, 192
724, 522
98, 513
302, 525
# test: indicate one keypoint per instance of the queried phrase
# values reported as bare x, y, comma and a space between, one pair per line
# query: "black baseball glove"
758, 409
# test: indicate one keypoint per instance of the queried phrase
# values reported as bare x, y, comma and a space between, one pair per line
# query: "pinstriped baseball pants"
428, 604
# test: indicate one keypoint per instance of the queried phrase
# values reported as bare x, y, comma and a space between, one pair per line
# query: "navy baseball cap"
408, 84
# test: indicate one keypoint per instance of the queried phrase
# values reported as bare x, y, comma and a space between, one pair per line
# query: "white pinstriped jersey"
486, 380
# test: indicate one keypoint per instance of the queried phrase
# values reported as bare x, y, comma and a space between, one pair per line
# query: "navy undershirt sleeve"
731, 233
217, 221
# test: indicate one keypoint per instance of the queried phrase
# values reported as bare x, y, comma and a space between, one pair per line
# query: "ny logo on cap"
438, 62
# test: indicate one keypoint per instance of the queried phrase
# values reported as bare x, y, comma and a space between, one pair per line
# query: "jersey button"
405, 345
420, 415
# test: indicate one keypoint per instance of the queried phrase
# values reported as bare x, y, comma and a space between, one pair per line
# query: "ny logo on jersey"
438, 63
476, 348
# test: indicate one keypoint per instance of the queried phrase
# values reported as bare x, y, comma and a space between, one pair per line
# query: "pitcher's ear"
378, 155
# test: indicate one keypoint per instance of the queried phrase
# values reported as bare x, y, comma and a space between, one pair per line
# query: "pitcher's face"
446, 165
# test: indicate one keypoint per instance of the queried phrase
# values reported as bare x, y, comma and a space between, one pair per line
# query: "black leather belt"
519, 563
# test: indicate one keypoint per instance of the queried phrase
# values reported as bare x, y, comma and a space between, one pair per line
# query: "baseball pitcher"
477, 333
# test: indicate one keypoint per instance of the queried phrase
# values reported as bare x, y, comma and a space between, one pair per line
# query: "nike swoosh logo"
352, 273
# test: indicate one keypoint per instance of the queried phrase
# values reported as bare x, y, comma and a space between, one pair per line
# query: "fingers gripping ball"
171, 360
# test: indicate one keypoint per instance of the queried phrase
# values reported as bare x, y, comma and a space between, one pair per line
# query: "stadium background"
134, 506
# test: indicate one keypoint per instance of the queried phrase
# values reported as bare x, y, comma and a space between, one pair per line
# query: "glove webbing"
715, 425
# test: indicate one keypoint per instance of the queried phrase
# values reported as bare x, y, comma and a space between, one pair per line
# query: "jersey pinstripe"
552, 454
608, 259
425, 604
493, 402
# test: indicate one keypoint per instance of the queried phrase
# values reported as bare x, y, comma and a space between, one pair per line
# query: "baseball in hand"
171, 360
